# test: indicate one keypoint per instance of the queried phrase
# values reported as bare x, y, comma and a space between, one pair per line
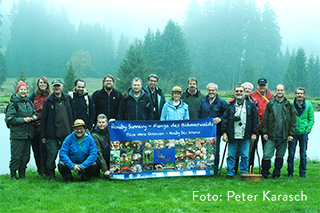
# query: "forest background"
224, 41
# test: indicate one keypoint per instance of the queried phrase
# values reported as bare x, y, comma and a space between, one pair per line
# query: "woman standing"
20, 116
38, 148
175, 108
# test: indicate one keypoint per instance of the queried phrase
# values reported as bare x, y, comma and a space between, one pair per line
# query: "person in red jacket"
262, 96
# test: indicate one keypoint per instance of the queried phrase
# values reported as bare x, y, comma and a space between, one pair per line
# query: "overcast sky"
298, 19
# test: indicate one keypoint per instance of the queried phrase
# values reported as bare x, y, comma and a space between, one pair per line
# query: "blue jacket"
72, 152
170, 112
214, 110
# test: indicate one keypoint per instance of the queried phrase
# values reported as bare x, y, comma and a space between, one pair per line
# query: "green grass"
36, 194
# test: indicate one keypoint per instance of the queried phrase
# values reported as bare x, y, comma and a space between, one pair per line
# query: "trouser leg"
217, 155
232, 150
35, 144
244, 153
268, 153
65, 171
303, 143
25, 154
236, 165
16, 149
52, 148
291, 152
89, 172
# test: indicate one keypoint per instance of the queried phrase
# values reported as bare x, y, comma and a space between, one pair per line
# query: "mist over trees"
225, 42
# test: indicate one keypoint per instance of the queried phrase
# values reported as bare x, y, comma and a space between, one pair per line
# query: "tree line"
224, 41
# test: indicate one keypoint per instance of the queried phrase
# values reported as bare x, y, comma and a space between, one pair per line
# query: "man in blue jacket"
213, 107
78, 153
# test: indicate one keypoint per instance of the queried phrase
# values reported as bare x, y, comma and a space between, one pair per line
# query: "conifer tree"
69, 78
133, 65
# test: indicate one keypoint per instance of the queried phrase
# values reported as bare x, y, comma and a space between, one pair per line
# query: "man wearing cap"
57, 118
193, 97
107, 100
213, 107
78, 153
83, 103
261, 97
175, 108
156, 95
137, 104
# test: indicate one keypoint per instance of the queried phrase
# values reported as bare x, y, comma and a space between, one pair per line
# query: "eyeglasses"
239, 91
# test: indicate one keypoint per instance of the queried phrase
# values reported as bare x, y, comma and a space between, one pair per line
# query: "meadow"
176, 194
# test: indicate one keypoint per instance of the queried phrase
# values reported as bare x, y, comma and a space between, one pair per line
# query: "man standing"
56, 123
83, 103
305, 121
78, 153
239, 124
193, 97
137, 105
261, 96
279, 123
107, 100
156, 95
213, 107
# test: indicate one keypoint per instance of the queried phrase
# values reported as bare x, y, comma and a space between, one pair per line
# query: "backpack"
15, 105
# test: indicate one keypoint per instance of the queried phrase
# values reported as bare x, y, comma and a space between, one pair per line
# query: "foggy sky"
297, 19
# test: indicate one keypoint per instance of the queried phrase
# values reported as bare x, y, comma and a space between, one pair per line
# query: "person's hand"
216, 120
253, 137
290, 138
225, 137
265, 137
106, 173
77, 168
43, 140
112, 120
27, 119
34, 117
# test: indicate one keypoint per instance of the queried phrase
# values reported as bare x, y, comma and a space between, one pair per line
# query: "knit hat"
21, 83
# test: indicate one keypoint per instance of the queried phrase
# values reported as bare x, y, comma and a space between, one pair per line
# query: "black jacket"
252, 123
107, 104
48, 115
130, 109
84, 112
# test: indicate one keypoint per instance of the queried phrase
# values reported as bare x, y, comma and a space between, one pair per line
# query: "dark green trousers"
20, 153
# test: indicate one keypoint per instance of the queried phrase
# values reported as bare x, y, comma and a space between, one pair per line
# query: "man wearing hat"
78, 153
156, 95
261, 96
56, 123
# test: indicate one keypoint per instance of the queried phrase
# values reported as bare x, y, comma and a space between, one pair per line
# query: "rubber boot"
277, 168
22, 173
52, 175
266, 165
13, 174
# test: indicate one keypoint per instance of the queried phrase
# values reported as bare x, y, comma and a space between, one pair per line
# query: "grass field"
36, 194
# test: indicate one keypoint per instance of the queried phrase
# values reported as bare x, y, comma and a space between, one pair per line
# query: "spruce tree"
69, 78
133, 65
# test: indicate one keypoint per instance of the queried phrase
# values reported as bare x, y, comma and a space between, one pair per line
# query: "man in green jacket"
305, 121
101, 137
279, 123
193, 97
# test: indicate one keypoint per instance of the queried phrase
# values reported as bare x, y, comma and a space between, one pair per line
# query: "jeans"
243, 145
303, 144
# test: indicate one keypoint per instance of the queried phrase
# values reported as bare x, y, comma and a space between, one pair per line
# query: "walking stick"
224, 152
258, 160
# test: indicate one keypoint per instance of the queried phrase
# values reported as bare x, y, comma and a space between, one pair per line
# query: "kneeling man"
78, 153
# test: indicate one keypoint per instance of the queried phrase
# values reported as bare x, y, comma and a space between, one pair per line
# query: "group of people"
77, 124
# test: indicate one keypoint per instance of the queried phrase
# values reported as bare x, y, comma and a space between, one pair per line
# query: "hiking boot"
22, 173
290, 175
13, 174
229, 177
52, 175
